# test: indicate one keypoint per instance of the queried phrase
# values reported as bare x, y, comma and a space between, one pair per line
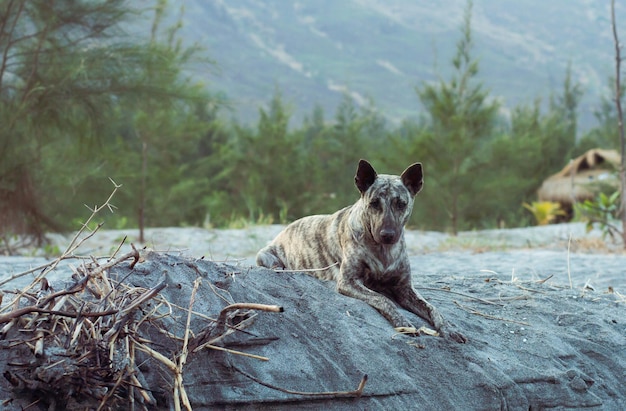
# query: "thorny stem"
68, 253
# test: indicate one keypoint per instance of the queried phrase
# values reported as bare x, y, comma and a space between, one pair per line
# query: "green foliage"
274, 173
545, 212
602, 211
128, 111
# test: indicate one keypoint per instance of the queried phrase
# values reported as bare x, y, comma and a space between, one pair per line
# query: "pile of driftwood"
80, 345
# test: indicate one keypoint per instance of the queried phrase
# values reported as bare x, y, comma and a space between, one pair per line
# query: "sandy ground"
565, 251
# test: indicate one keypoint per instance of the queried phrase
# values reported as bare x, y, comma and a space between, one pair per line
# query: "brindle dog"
364, 246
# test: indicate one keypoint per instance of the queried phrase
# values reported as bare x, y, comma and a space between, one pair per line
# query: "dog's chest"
384, 264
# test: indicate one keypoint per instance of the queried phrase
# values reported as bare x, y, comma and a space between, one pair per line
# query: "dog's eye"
401, 205
375, 204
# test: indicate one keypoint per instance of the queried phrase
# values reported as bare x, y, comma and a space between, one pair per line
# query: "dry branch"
332, 394
220, 328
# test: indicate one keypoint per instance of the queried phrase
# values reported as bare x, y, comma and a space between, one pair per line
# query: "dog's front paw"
403, 326
453, 335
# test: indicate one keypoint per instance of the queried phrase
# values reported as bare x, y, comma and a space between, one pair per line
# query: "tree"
159, 120
461, 122
604, 134
266, 174
55, 78
566, 106
70, 80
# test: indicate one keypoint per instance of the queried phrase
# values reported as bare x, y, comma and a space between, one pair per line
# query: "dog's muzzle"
388, 236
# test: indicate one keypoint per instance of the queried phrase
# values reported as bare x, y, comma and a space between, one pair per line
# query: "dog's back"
310, 243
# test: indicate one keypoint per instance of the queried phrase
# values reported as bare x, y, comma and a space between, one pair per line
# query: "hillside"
316, 50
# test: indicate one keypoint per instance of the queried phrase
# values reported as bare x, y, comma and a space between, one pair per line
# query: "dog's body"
362, 247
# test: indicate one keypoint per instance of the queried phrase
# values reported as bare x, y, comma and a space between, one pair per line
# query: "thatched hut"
582, 178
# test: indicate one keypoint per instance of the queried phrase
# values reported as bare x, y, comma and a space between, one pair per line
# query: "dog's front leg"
409, 299
350, 283
384, 305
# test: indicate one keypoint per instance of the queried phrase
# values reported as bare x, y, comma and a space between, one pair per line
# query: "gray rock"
532, 344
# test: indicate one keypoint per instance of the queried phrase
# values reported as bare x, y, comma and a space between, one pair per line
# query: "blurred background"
218, 113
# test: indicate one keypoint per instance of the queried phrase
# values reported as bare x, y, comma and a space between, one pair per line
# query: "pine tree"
461, 122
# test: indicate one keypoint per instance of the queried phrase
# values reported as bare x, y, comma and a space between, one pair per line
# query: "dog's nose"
387, 236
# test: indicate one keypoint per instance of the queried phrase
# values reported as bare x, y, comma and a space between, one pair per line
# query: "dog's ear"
365, 176
413, 178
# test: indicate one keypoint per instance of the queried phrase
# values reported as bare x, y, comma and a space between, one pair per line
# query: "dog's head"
387, 200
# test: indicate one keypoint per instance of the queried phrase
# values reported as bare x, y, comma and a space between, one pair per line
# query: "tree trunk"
620, 124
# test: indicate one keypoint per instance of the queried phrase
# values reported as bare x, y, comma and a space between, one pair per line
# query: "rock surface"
534, 341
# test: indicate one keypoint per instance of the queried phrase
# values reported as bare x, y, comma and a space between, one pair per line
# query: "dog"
362, 247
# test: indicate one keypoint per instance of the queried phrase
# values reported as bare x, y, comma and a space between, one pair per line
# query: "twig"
32, 309
156, 355
228, 350
184, 352
119, 247
569, 273
73, 245
23, 273
5, 330
545, 279
336, 394
39, 344
220, 327
502, 299
461, 294
528, 289
180, 395
134, 254
491, 317
206, 333
149, 294
112, 391
308, 270
125, 313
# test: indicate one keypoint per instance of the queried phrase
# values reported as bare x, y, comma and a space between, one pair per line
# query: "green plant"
50, 250
121, 222
243, 222
602, 210
283, 212
544, 212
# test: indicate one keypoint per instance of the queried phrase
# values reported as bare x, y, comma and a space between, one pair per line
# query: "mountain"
316, 50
